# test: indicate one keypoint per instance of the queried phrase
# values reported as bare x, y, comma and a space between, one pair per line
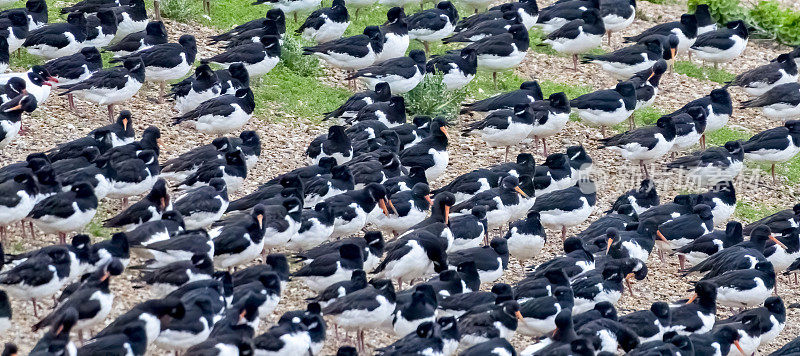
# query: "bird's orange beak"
447, 214
241, 315
608, 245
382, 204
661, 236
17, 107
163, 203
60, 329
428, 198
158, 141
651, 75
519, 190
738, 346
260, 218
519, 315
673, 51
105, 276
444, 131
391, 206
694, 296
125, 124
777, 242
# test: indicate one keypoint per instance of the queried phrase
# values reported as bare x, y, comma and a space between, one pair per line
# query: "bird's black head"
703, 211
83, 189
626, 89
172, 215
75, 19
338, 4
793, 126
738, 27
235, 158
519, 32
734, 148
350, 252
36, 6
394, 15
556, 161
592, 16
661, 310
376, 37
134, 65
359, 277
277, 15
189, 43
499, 245
271, 281
654, 45
559, 100
217, 183
727, 334
15, 86
9, 349
418, 56
156, 29
347, 351
18, 18
765, 266
563, 321
606, 310
64, 324
689, 22
775, 305
107, 17
581, 347
449, 10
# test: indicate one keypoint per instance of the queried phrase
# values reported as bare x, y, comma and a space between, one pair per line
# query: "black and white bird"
163, 280
38, 277
328, 269
624, 63
192, 91
760, 80
745, 288
402, 73
649, 324
221, 114
713, 164
101, 28
75, 68
567, 207
549, 118
232, 169
617, 15
469, 230
411, 256
433, 25
350, 53
685, 29
457, 69
326, 24
367, 308
258, 57
644, 145
414, 309
718, 106
358, 101
431, 152
65, 211
680, 231
553, 17
490, 260
526, 237
149, 208
782, 102
395, 35
500, 321
15, 24
110, 86
722, 45
578, 36
539, 314
166, 62
502, 202
504, 128
36, 11
646, 83
606, 107
781, 221
11, 116
485, 28
689, 128
153, 34
5, 312
774, 145
501, 52
202, 206
528, 93
58, 39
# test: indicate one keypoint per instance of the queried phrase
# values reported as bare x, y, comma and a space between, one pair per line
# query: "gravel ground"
283, 152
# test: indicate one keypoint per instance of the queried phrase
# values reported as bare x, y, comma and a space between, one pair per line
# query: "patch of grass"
182, 10
95, 228
303, 96
24, 61
751, 211
572, 90
725, 134
706, 73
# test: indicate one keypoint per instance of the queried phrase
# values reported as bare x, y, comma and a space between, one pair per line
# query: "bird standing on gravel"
326, 24
644, 145
780, 103
760, 80
153, 34
685, 30
402, 74
722, 45
166, 62
502, 52
75, 68
457, 69
350, 53
578, 36
607, 107
58, 39
258, 57
504, 128
221, 114
434, 24
110, 86
11, 117
624, 63
774, 145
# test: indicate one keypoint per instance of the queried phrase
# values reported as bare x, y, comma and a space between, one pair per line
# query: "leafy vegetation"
767, 16
430, 98
706, 73
725, 134
751, 211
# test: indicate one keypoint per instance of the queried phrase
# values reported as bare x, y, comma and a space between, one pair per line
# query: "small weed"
23, 60
705, 73
430, 98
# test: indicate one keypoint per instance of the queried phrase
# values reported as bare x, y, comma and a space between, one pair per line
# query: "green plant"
181, 10
706, 73
767, 17
430, 98
292, 57
723, 11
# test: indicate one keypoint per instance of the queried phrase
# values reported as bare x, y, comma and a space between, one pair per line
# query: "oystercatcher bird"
682, 230
56, 339
718, 107
291, 6
705, 23
553, 17
192, 91
415, 310
19, 197
101, 28
640, 199
539, 314
501, 320
624, 63
358, 101
745, 288
760, 80
781, 102
549, 118
58, 39
457, 69
778, 222
66, 211
528, 93
713, 164
744, 255
150, 208
774, 145
350, 53
395, 35
502, 52
685, 30
37, 277
617, 15
232, 169
366, 308
202, 206
434, 24
689, 128
504, 128
36, 11
606, 107
578, 36
402, 73
644, 145
485, 29
11, 116
567, 207
722, 45
703, 247
153, 34
649, 324
772, 317
325, 270
326, 24
166, 62
258, 57
75, 68
500, 202
431, 152
221, 114
110, 86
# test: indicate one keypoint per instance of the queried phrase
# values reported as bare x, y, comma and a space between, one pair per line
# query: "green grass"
750, 211
725, 134
303, 96
705, 73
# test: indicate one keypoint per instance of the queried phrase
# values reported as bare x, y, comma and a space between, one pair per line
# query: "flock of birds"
427, 251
